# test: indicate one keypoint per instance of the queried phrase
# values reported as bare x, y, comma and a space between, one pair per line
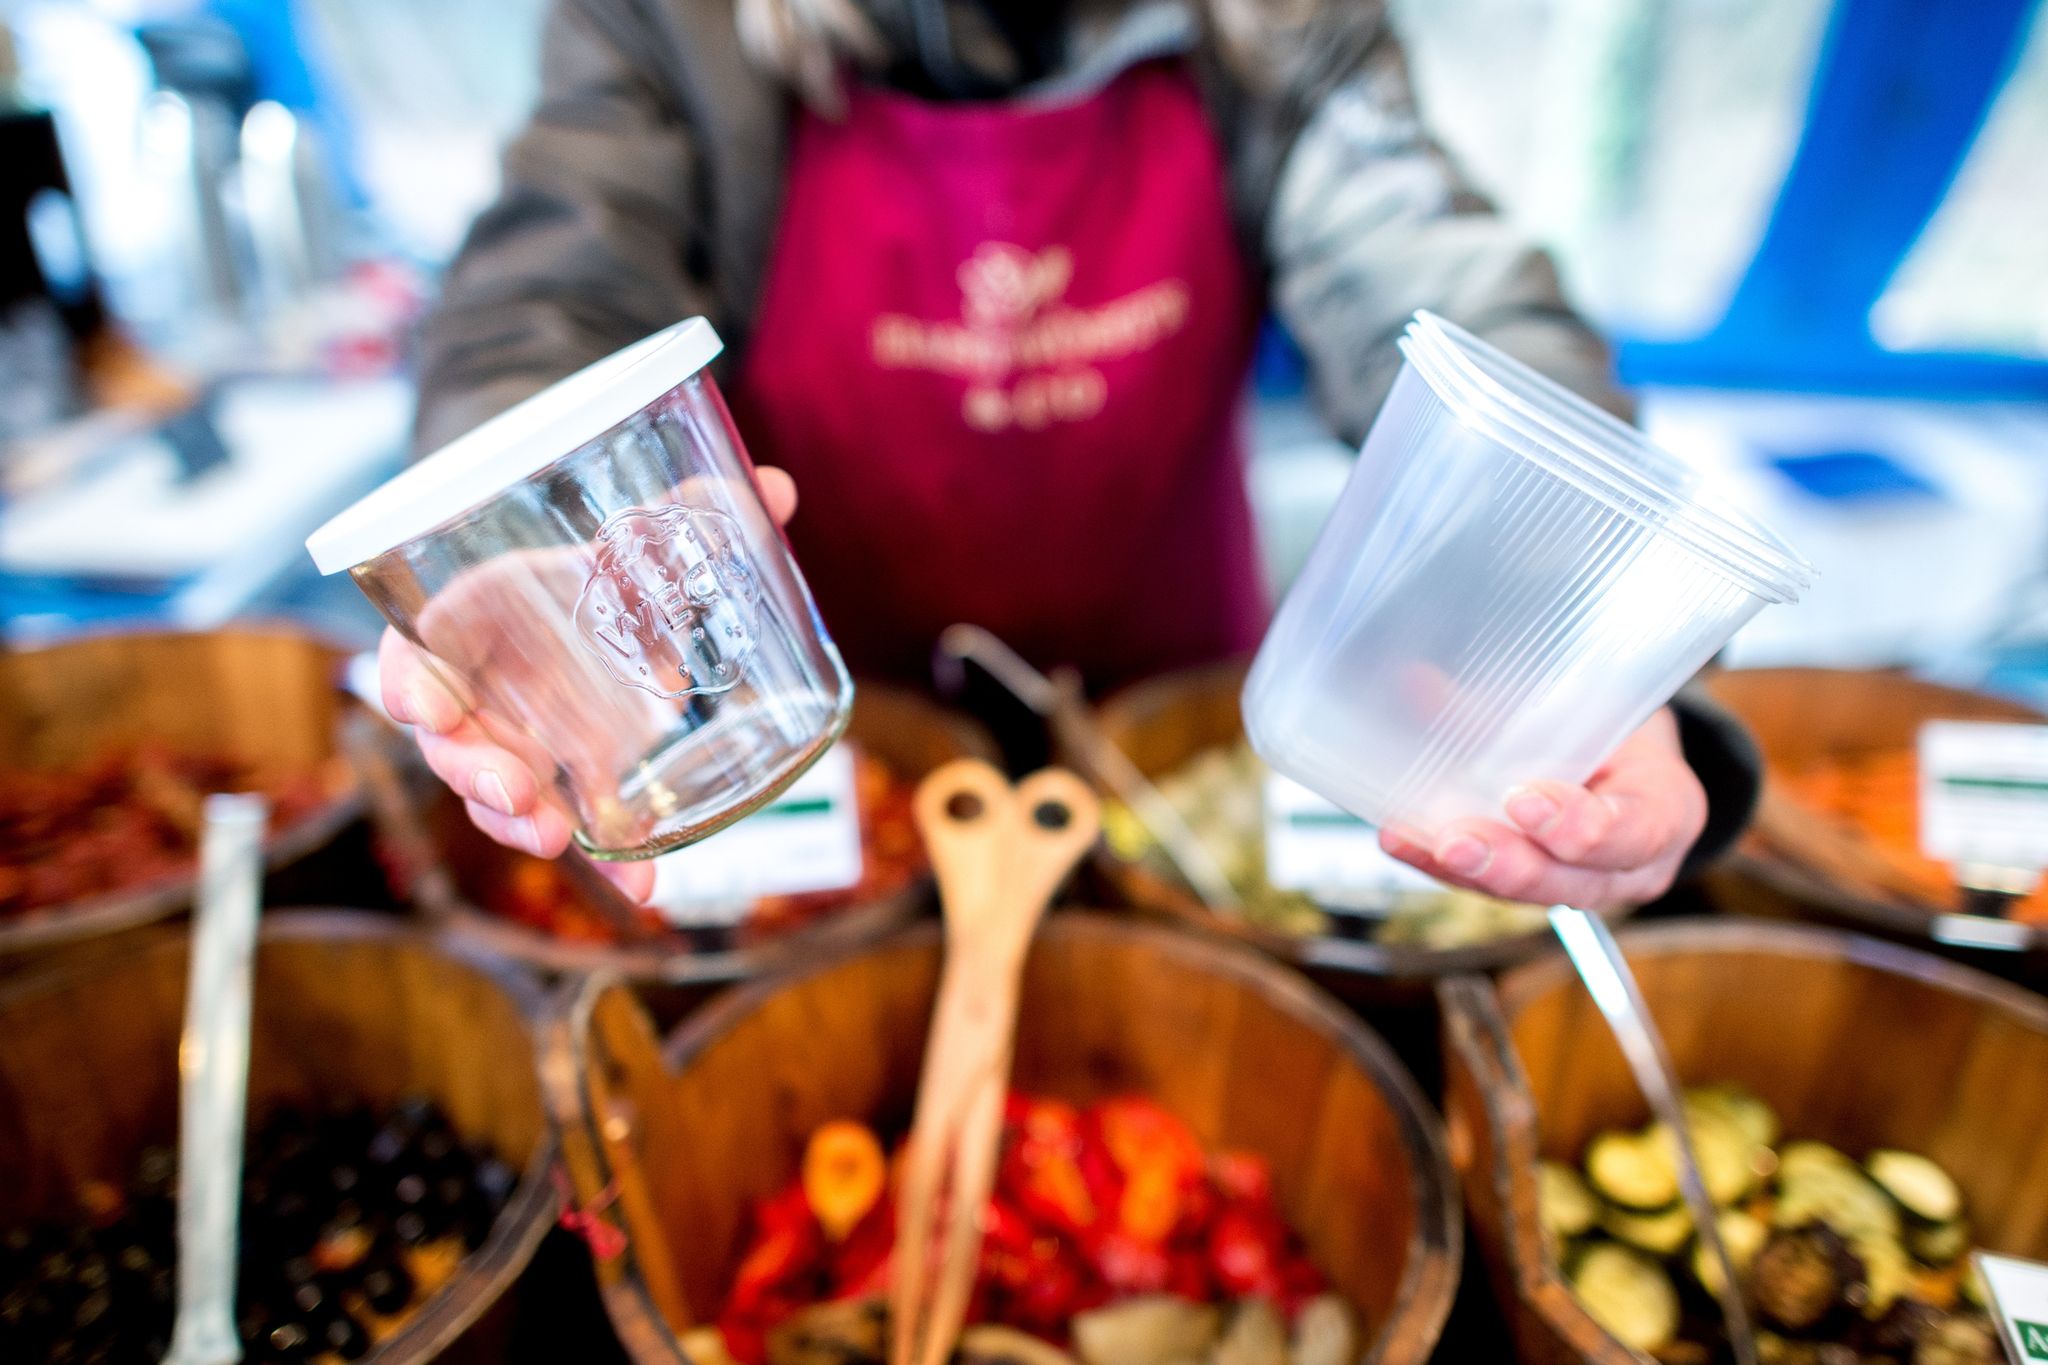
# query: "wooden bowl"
263, 695
1161, 725
1249, 1054
346, 1005
1802, 716
909, 734
1853, 1041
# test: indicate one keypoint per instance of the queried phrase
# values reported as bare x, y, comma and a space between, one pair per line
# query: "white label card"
1315, 846
1984, 794
807, 840
2019, 1300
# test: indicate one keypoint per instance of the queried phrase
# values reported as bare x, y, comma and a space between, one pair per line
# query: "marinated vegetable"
350, 1220
1567, 1208
1874, 799
1110, 1230
543, 896
1220, 793
127, 820
1843, 1263
1629, 1294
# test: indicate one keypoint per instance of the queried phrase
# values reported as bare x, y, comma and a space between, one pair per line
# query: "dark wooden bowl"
1855, 1042
346, 1005
686, 1133
909, 734
266, 695
1802, 716
1161, 725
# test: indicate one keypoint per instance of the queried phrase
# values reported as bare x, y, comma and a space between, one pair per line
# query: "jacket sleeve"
586, 247
1369, 220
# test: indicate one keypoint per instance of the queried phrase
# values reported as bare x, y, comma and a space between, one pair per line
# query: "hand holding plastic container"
594, 574
1511, 583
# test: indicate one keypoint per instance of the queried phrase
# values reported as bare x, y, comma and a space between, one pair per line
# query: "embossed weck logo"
671, 606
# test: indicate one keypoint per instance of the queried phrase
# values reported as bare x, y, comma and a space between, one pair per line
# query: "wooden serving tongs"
999, 853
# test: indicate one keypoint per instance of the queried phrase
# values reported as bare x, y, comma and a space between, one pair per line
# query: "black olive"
92, 1272
290, 1341
388, 1286
495, 1180
415, 1114
157, 1172
410, 1191
344, 1336
134, 1259
450, 1192
94, 1313
387, 1145
437, 1147
345, 1178
309, 1298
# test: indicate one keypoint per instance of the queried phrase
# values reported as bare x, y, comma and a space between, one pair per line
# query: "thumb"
778, 493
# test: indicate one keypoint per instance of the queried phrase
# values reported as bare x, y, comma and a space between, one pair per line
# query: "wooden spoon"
999, 854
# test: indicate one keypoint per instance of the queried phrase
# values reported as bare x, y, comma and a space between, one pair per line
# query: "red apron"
1001, 349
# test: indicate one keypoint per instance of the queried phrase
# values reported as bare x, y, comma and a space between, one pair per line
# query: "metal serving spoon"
1061, 708
213, 1071
1592, 950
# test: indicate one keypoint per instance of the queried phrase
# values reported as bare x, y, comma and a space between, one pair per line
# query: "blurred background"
1814, 228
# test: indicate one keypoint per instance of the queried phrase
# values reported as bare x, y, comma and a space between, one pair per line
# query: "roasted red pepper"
1088, 1207
1140, 1134
1243, 1177
1246, 1251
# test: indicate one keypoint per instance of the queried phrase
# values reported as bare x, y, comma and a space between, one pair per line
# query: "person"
991, 272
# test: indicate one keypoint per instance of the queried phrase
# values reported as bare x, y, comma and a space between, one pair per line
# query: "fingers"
778, 493
480, 771
1490, 858
1644, 806
412, 693
543, 831
634, 880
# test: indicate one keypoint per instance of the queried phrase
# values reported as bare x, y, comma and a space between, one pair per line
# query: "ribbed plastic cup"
1512, 581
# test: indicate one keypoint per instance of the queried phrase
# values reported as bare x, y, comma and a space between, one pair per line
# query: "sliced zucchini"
1795, 1158
1628, 1294
1757, 1120
1633, 1171
1742, 1237
1728, 1159
1975, 1292
1840, 1196
1923, 1190
1940, 1245
1660, 1234
1565, 1207
1887, 1272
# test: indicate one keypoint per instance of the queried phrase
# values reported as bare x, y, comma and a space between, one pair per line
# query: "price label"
1318, 847
1984, 794
2019, 1300
807, 840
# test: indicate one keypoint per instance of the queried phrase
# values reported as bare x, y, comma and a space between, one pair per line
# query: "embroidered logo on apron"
1028, 356
670, 605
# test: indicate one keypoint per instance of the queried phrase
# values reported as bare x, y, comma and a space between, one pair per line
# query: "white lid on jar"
514, 445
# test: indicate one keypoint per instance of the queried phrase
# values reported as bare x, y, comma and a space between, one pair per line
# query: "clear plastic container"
594, 573
1512, 581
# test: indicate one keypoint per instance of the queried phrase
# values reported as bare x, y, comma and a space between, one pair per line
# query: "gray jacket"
647, 184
